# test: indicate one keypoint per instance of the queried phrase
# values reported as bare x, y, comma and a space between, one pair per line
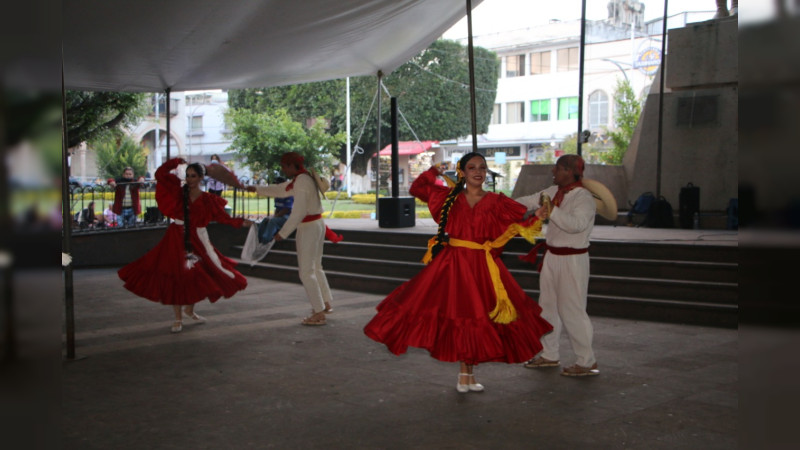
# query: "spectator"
87, 218
126, 197
109, 217
213, 185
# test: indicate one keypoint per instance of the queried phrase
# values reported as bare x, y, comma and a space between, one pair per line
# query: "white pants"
563, 286
310, 238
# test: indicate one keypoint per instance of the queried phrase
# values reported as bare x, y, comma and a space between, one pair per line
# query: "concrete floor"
252, 377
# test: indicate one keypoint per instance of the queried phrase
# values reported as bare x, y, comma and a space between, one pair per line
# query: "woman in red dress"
184, 268
464, 306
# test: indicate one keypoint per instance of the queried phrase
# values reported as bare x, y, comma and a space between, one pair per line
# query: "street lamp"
618, 64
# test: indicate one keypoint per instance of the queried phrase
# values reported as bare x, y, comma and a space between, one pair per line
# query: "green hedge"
330, 195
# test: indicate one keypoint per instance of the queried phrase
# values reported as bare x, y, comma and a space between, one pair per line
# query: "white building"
536, 106
197, 129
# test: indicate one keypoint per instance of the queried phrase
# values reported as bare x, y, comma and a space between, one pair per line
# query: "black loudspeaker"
688, 205
396, 212
153, 215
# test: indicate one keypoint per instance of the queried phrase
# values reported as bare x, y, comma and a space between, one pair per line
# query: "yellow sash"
504, 312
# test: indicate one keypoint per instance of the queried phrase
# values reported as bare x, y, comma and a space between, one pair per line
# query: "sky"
495, 15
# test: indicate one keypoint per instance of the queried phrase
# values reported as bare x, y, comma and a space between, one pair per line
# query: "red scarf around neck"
559, 197
299, 172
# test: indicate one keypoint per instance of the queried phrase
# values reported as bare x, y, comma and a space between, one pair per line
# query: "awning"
409, 148
152, 45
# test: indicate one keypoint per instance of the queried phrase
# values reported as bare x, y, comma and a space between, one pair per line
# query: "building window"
568, 59
598, 109
515, 66
568, 108
514, 113
195, 125
495, 114
540, 110
540, 63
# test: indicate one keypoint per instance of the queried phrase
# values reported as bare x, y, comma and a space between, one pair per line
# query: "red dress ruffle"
445, 308
161, 274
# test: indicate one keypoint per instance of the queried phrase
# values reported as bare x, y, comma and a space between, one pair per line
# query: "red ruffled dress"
445, 308
162, 275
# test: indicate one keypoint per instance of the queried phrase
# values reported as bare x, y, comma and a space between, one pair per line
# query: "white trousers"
563, 286
310, 238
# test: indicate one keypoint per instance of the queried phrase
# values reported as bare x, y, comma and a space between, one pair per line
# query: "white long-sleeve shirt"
306, 200
572, 222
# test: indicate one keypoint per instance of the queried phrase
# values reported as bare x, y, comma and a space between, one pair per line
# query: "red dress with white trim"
162, 274
446, 308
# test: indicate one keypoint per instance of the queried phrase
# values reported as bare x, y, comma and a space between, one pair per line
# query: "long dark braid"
187, 237
451, 197
187, 241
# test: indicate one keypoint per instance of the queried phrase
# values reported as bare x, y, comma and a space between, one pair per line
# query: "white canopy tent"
181, 45
154, 45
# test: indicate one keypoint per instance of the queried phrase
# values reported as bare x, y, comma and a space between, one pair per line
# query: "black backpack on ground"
641, 205
660, 214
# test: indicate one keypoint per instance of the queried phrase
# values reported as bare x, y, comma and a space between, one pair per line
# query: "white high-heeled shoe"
464, 388
177, 326
194, 316
474, 387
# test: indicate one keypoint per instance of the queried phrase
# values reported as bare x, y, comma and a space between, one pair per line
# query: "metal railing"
240, 204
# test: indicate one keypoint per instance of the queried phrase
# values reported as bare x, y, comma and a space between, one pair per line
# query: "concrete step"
672, 282
632, 307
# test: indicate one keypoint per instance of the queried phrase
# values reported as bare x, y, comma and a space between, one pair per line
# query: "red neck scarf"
559, 197
299, 172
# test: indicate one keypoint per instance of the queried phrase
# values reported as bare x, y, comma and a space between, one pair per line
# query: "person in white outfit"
306, 218
564, 279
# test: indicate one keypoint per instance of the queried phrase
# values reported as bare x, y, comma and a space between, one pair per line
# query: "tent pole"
662, 70
472, 101
349, 156
582, 55
167, 104
378, 151
66, 217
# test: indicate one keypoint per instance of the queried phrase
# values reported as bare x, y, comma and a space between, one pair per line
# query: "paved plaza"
253, 378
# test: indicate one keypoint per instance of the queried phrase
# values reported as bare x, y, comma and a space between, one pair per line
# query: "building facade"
537, 101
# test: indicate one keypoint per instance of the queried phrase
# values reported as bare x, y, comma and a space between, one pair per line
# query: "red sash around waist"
312, 217
532, 255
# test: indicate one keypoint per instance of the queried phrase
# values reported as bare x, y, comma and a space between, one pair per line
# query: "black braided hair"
187, 241
451, 197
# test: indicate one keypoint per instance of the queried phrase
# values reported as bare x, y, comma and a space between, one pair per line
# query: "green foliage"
98, 115
627, 112
432, 91
364, 199
114, 154
330, 195
261, 138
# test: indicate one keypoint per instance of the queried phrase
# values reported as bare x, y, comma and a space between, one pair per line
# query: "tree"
96, 115
432, 91
261, 138
628, 109
115, 154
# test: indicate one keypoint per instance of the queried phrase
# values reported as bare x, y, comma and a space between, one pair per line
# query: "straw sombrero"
606, 203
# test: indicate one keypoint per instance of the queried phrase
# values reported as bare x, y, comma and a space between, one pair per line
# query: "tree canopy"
627, 111
260, 138
432, 91
95, 115
114, 155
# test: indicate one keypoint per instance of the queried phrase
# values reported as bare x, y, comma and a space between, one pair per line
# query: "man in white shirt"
306, 218
564, 279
